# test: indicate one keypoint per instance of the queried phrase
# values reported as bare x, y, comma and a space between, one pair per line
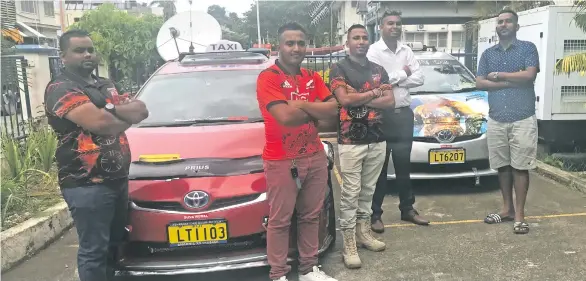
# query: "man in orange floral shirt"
362, 88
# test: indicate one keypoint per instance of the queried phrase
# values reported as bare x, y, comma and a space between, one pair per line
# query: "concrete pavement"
457, 246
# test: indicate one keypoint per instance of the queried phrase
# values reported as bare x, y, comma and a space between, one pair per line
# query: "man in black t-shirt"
362, 89
93, 156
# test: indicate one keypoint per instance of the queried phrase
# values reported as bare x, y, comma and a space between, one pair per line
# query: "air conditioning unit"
420, 27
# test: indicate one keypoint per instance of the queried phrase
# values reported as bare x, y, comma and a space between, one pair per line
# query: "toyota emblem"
196, 199
445, 136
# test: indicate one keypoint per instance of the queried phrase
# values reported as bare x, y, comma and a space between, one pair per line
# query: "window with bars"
458, 40
28, 6
438, 39
414, 37
49, 8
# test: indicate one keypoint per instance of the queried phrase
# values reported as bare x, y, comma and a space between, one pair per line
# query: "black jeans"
399, 128
100, 214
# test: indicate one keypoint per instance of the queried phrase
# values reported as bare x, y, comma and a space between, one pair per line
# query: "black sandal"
496, 218
521, 228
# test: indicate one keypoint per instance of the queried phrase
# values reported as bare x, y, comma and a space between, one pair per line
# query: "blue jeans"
100, 215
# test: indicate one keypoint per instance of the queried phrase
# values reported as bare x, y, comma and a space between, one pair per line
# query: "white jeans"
360, 167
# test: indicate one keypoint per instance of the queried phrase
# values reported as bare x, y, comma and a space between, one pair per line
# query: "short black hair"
355, 26
509, 11
64, 39
390, 13
290, 26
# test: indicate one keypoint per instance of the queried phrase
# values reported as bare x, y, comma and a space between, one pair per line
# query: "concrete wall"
347, 16
442, 36
425, 12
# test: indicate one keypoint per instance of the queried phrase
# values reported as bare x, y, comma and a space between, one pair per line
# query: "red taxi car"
198, 199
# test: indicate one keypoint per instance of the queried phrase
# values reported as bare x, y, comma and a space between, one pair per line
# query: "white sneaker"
316, 275
283, 278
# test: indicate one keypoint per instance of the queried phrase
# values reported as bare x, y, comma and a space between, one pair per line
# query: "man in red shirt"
292, 100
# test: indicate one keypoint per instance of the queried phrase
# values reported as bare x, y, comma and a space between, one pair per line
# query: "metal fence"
15, 101
321, 63
124, 84
55, 65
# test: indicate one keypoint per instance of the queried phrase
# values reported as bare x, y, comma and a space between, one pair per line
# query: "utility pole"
258, 22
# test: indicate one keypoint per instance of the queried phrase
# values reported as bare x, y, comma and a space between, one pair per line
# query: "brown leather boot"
414, 217
377, 225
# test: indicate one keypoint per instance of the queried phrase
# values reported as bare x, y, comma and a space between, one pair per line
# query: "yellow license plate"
191, 233
447, 156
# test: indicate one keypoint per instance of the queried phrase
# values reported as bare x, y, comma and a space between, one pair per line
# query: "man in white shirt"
404, 73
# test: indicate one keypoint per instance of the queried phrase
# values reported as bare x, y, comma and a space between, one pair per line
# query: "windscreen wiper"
184, 123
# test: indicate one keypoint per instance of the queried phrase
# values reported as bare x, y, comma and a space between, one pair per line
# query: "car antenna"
191, 48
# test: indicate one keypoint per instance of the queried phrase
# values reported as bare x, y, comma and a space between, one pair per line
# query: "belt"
400, 109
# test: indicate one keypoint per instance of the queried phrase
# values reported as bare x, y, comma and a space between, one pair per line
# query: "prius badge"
196, 199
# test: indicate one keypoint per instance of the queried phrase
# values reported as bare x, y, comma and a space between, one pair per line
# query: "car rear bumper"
241, 259
476, 165
436, 176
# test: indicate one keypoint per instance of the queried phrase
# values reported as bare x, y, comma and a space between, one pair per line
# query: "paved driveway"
456, 246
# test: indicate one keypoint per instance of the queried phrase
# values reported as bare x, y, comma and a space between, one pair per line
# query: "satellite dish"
186, 30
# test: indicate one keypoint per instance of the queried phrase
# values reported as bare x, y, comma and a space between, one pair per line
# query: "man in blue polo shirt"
507, 71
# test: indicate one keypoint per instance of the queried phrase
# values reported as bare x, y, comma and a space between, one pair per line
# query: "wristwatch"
110, 108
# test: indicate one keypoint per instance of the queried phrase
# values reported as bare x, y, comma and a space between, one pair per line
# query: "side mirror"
329, 150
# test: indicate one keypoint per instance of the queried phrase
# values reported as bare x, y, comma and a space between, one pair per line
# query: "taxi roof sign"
224, 46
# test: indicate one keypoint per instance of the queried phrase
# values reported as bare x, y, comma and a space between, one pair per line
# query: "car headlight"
329, 149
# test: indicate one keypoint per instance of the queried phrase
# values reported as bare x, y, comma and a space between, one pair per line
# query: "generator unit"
560, 99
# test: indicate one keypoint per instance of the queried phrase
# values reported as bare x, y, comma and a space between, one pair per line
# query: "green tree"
276, 13
575, 63
231, 24
127, 43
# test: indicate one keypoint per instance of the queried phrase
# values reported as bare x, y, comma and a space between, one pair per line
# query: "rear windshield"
444, 75
201, 95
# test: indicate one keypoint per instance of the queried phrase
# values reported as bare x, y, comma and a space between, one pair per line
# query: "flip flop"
496, 218
521, 228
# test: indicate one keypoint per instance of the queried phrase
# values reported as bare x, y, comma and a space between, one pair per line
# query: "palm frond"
572, 64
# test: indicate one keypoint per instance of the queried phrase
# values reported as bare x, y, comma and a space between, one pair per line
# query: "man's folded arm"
270, 96
340, 88
386, 101
132, 112
327, 109
68, 102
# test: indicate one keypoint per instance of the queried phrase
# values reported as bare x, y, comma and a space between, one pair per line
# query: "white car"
450, 122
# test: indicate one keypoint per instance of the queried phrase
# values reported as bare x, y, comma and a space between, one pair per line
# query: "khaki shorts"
512, 144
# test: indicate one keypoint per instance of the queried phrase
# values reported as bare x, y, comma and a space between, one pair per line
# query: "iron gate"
55, 65
15, 103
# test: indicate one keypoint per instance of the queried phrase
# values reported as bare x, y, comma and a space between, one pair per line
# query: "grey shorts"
512, 144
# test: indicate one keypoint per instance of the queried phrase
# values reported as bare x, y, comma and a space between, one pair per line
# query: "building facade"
39, 21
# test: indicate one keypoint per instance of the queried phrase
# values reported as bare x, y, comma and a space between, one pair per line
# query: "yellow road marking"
478, 221
339, 179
